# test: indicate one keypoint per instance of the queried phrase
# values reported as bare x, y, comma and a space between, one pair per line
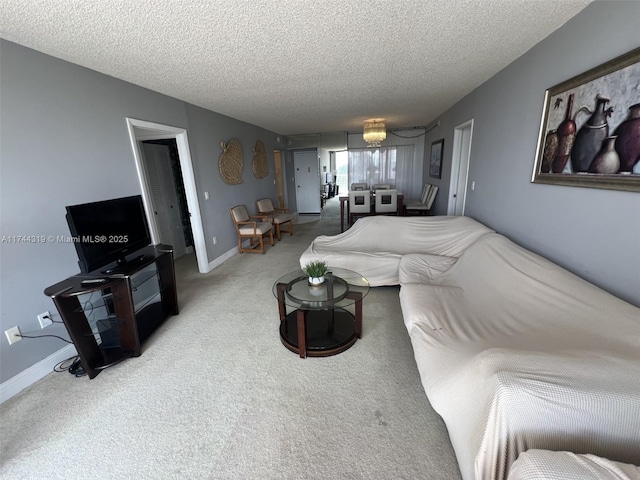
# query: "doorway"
277, 157
342, 170
140, 130
307, 181
460, 168
168, 196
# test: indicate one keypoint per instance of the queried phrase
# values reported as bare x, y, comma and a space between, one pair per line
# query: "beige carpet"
215, 395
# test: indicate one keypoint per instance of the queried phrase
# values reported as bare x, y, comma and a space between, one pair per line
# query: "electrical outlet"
215, 240
44, 319
13, 335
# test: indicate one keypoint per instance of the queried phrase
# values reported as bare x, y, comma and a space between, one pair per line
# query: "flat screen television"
106, 232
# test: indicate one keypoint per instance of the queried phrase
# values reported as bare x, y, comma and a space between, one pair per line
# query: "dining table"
344, 200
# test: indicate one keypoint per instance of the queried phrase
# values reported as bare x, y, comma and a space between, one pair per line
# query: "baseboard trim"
31, 375
223, 258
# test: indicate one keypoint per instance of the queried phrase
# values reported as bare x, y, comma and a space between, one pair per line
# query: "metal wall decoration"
260, 165
590, 130
230, 163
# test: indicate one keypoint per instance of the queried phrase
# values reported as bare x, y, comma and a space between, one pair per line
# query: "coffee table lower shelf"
325, 332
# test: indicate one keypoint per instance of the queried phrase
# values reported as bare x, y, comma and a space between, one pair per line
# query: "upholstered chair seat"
252, 227
279, 217
423, 205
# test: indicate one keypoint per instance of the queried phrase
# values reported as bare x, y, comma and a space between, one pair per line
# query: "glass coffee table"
319, 324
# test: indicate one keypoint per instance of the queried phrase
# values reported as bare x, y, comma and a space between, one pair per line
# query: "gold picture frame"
590, 129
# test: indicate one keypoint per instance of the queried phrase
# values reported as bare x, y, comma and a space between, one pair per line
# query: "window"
394, 165
342, 171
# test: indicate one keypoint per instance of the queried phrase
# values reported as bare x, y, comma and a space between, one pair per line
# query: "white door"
164, 197
307, 181
460, 168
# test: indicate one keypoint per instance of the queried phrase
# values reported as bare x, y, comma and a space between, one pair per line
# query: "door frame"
459, 167
143, 130
279, 166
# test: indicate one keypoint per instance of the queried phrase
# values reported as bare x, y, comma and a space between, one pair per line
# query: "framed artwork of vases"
590, 129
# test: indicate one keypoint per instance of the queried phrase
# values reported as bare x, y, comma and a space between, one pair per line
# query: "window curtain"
394, 165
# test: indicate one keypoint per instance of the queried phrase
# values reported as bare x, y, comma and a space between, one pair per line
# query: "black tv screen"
107, 231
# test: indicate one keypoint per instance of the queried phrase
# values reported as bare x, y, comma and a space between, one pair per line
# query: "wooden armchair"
277, 216
253, 227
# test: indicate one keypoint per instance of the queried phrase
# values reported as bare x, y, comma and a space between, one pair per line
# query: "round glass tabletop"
341, 288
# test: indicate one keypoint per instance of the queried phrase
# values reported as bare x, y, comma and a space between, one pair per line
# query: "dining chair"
422, 198
277, 216
424, 205
359, 204
252, 227
386, 202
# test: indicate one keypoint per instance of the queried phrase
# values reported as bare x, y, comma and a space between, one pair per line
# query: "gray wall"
206, 130
593, 232
65, 141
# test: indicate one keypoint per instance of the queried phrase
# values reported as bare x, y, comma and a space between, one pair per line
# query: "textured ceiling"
292, 66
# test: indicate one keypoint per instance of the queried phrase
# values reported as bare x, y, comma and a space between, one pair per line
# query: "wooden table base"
318, 333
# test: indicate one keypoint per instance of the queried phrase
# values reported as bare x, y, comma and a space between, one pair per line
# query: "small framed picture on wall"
435, 160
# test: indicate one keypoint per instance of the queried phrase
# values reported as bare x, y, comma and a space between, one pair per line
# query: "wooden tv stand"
105, 318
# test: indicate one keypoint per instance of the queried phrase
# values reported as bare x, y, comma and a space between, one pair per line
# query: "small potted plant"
315, 271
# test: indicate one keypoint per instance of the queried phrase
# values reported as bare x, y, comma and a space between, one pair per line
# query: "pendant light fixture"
374, 132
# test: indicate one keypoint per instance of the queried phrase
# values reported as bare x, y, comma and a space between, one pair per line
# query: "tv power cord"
75, 368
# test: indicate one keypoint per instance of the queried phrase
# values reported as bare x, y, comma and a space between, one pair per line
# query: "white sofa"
374, 245
514, 352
